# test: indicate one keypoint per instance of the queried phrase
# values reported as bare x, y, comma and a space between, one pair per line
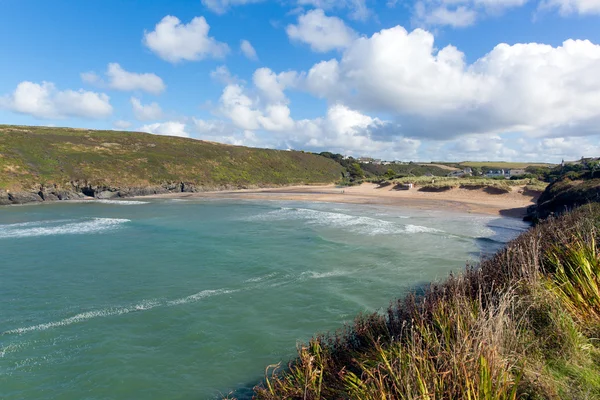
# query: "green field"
502, 164
34, 156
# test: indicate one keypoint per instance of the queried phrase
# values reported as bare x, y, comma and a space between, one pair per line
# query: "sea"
193, 299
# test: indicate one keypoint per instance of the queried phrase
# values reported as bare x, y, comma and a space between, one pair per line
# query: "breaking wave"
62, 227
357, 224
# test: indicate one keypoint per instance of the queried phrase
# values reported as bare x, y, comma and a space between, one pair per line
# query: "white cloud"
248, 50
45, 101
120, 124
174, 41
566, 7
342, 129
459, 13
120, 79
169, 128
222, 75
321, 32
222, 6
458, 18
146, 112
91, 77
272, 85
358, 8
533, 88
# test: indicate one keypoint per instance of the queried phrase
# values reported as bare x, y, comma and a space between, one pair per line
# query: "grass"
34, 156
502, 164
522, 324
424, 183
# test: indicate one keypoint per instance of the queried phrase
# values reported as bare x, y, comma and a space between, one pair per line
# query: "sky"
424, 80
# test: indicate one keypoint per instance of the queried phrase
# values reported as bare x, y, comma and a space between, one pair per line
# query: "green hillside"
67, 158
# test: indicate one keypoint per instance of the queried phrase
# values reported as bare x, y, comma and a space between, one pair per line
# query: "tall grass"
576, 278
520, 325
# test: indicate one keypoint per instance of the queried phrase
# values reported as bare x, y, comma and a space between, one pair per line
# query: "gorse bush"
520, 325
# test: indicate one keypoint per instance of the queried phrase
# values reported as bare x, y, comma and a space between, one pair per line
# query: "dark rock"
24, 197
47, 196
4, 200
106, 194
188, 188
68, 195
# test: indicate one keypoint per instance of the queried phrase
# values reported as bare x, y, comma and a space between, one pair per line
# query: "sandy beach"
513, 204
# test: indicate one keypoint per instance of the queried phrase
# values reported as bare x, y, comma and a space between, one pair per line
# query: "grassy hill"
31, 157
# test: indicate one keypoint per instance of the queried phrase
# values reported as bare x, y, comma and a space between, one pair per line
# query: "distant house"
456, 174
461, 173
495, 173
365, 160
517, 172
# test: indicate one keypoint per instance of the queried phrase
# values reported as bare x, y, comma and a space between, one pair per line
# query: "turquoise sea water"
176, 299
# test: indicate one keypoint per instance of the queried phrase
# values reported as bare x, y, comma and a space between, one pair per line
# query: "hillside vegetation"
571, 185
523, 324
71, 159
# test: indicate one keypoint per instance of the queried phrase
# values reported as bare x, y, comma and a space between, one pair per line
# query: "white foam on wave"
200, 295
122, 202
420, 229
260, 278
62, 227
144, 305
357, 224
321, 275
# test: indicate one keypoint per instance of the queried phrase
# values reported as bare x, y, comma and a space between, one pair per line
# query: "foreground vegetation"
523, 324
31, 157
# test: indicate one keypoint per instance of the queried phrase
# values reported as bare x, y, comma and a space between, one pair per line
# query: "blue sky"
410, 80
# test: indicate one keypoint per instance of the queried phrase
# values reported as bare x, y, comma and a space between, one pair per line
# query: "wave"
421, 229
199, 296
260, 278
144, 305
122, 202
60, 227
321, 275
357, 224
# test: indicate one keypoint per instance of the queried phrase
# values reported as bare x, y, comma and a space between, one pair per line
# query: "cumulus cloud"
168, 128
45, 101
262, 117
222, 75
434, 93
272, 85
146, 112
320, 32
120, 79
248, 50
175, 41
458, 17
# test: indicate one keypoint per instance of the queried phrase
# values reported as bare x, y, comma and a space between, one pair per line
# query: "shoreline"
513, 204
